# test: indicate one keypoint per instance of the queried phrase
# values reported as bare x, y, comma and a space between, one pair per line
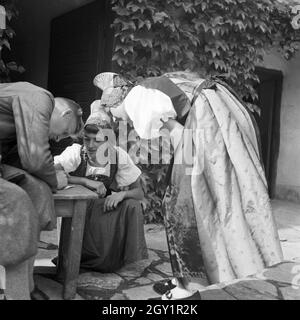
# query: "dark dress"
111, 239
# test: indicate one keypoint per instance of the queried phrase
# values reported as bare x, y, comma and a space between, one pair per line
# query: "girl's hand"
62, 179
96, 186
112, 201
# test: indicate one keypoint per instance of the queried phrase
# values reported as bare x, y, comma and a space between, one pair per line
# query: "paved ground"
134, 282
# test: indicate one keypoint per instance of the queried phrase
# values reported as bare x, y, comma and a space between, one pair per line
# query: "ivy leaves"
210, 37
7, 66
216, 38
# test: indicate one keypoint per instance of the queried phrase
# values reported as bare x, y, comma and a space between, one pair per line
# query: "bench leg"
70, 249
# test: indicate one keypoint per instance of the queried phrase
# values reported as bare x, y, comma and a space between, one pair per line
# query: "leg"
42, 205
40, 195
135, 247
17, 283
18, 221
73, 253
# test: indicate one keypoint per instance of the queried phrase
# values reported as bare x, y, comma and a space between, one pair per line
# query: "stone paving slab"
291, 250
280, 282
285, 272
143, 281
134, 270
135, 282
252, 290
140, 293
52, 288
106, 281
156, 237
216, 294
165, 268
118, 296
290, 293
155, 277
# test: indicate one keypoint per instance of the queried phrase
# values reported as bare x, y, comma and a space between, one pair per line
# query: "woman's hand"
96, 186
112, 201
62, 179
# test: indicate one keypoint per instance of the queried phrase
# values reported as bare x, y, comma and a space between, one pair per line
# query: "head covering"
114, 86
99, 117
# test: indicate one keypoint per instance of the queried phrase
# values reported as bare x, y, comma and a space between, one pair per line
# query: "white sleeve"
127, 172
70, 158
148, 109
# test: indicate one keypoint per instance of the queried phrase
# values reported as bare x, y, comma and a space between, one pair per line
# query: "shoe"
195, 296
55, 261
163, 286
38, 294
47, 246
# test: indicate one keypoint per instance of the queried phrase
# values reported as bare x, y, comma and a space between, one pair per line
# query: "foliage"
153, 181
7, 66
153, 175
222, 38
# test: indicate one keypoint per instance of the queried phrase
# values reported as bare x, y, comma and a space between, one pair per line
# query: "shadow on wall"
33, 34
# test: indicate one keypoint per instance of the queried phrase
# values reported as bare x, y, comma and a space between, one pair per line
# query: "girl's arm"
77, 180
135, 191
96, 186
73, 180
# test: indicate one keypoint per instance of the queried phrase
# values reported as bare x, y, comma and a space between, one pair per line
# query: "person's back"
25, 113
9, 92
29, 117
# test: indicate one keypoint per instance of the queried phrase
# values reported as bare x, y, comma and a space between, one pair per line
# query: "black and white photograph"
149, 150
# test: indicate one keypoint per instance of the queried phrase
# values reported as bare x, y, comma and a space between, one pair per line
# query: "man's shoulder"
19, 88
30, 87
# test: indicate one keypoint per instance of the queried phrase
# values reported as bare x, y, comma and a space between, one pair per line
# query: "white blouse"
148, 109
127, 172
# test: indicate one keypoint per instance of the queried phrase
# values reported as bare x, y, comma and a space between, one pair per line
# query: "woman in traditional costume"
114, 230
217, 211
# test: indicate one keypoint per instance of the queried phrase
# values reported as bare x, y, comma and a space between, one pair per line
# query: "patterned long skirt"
217, 211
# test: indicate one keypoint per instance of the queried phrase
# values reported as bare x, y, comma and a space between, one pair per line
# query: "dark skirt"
113, 239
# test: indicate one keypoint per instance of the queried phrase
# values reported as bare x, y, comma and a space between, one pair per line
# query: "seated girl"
114, 229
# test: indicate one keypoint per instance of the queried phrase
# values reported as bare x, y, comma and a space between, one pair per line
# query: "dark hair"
91, 128
94, 129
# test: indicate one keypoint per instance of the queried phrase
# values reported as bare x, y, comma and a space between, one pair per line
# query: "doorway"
81, 46
269, 100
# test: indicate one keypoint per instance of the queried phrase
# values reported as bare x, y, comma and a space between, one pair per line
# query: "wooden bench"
71, 205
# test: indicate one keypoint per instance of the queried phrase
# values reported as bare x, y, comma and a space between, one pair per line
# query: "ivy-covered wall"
226, 38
